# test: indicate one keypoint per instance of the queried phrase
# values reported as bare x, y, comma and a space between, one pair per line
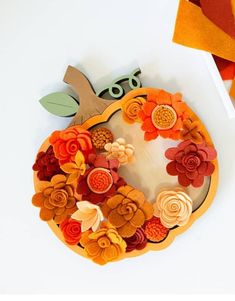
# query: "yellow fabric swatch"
194, 29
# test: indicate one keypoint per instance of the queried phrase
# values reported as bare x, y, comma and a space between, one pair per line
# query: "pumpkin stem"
90, 103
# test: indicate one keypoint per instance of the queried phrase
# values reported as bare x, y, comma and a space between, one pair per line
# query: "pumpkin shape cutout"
127, 176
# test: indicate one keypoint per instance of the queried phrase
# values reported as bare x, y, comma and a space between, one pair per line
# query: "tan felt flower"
56, 199
103, 245
100, 137
173, 207
120, 150
89, 215
127, 210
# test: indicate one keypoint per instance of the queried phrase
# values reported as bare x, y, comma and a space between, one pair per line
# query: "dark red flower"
136, 242
191, 162
71, 230
47, 165
101, 180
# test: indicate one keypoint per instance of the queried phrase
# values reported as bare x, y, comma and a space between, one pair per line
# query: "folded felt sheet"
194, 29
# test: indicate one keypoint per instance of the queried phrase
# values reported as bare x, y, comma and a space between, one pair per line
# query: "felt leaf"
73, 177
69, 167
60, 104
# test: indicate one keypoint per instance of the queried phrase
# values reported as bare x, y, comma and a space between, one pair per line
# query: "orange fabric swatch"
194, 29
232, 89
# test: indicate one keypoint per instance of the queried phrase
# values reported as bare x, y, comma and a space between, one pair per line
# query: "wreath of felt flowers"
96, 209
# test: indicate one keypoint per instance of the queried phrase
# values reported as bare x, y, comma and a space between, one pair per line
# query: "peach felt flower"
89, 215
120, 150
163, 114
66, 143
56, 199
173, 207
131, 108
104, 245
75, 169
127, 210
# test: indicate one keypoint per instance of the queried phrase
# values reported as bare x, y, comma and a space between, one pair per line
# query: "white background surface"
38, 39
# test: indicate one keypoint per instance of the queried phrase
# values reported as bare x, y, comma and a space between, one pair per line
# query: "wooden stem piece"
90, 104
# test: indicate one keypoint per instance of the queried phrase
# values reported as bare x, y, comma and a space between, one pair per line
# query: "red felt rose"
66, 143
47, 165
71, 230
136, 242
191, 162
101, 179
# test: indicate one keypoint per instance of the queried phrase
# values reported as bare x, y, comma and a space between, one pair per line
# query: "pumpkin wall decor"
128, 174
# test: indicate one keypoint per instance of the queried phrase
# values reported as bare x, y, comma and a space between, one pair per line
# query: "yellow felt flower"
89, 215
75, 169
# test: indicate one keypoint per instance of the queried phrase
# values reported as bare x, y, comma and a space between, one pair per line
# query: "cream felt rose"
173, 207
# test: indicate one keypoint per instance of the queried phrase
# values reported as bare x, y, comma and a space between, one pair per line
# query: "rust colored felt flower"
127, 210
163, 114
104, 245
154, 230
66, 143
191, 162
131, 109
46, 165
71, 230
101, 180
192, 131
138, 241
56, 199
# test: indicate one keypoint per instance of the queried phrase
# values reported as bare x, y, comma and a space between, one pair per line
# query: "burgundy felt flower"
136, 242
100, 180
191, 162
47, 165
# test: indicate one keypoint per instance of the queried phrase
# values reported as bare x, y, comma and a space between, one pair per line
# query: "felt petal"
125, 190
114, 201
183, 180
210, 169
142, 115
115, 176
69, 167
110, 253
171, 153
147, 209
138, 218
164, 98
58, 179
192, 175
114, 164
148, 125
171, 168
73, 177
79, 158
93, 248
148, 107
165, 133
198, 181
150, 136
96, 198
136, 196
105, 209
46, 214
180, 168
127, 230
116, 219
101, 161
82, 187
38, 199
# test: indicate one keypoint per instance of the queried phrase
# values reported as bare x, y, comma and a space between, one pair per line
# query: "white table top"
38, 39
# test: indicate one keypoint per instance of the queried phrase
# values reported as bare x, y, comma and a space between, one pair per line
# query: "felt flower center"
164, 117
59, 198
191, 162
104, 242
99, 180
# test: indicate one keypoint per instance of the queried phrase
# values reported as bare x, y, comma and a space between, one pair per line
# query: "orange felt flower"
131, 108
71, 230
127, 210
192, 131
56, 199
163, 114
154, 230
103, 245
66, 143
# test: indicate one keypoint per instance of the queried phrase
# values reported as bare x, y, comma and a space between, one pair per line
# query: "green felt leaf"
60, 104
